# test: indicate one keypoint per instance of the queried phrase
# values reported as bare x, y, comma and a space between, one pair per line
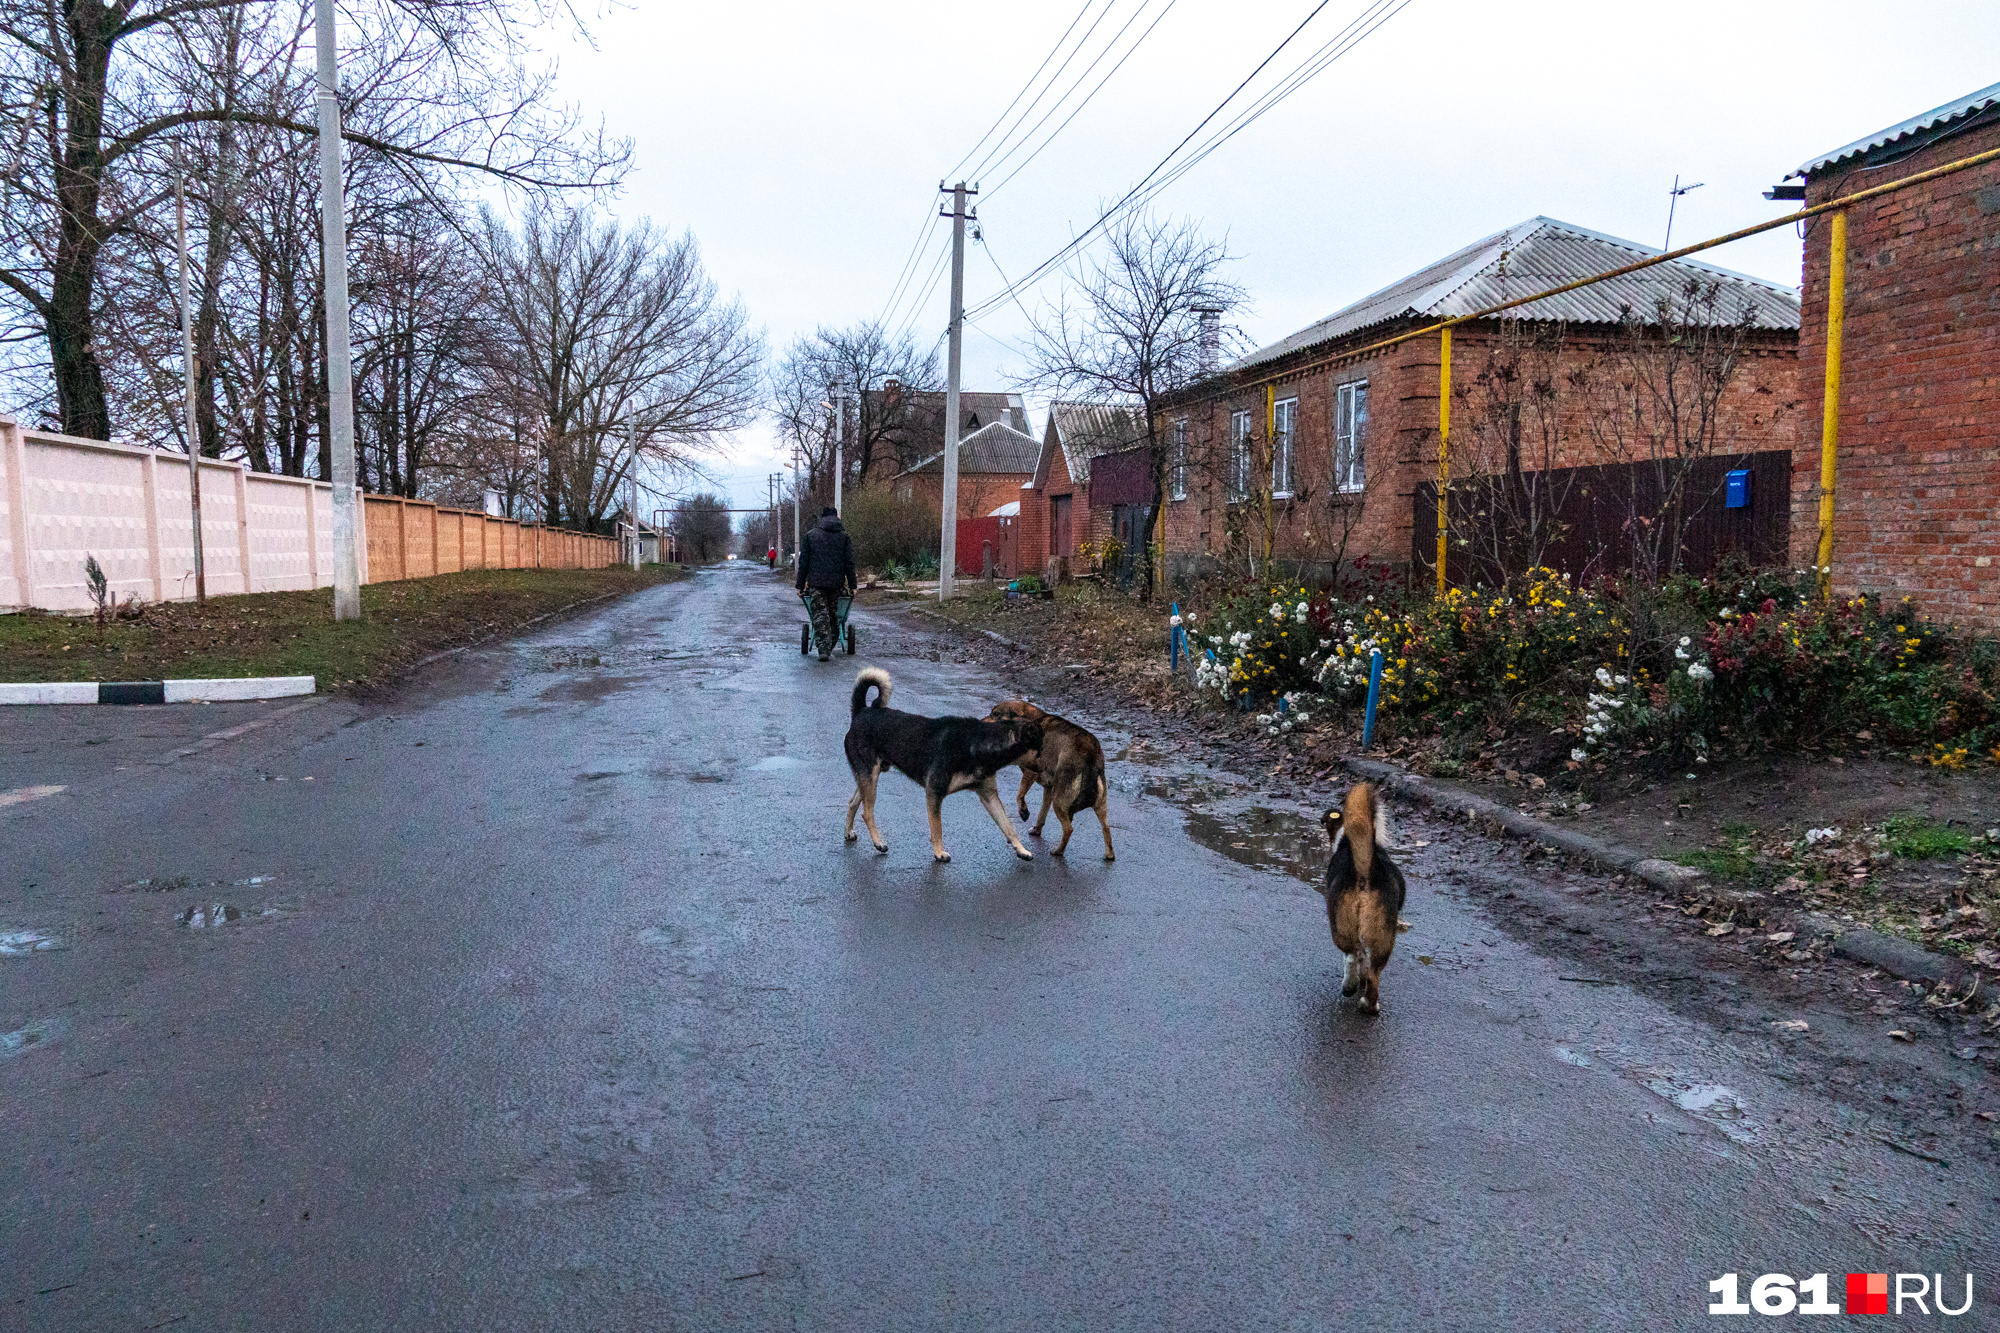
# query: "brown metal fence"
1595, 520
413, 539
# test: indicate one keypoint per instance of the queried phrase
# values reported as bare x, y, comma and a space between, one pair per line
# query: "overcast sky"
803, 142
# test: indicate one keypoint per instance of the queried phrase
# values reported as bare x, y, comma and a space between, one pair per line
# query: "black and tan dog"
1070, 766
1364, 893
940, 754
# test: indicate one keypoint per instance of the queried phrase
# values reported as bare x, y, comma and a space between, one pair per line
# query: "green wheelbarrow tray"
843, 633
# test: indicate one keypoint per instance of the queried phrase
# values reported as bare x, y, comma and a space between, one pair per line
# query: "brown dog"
1364, 893
1070, 767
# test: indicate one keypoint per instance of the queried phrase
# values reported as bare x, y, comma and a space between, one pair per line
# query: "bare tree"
852, 364
1520, 410
701, 523
94, 93
1135, 332
1668, 374
618, 344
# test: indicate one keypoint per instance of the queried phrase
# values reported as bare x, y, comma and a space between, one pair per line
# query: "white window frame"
1177, 461
1284, 448
1238, 487
1350, 437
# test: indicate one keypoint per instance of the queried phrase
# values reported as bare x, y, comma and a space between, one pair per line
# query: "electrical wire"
1371, 19
1109, 46
1032, 79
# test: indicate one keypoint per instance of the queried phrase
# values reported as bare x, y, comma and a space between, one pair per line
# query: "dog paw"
1111, 856
1055, 851
854, 837
1348, 990
940, 857
1370, 1007
882, 847
1027, 855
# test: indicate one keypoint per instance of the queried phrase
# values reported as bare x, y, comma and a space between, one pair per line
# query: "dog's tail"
877, 677
1358, 816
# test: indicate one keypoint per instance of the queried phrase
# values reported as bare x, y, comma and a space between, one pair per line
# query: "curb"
1893, 955
228, 689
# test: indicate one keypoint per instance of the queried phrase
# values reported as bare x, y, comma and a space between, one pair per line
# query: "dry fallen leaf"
1425, 958
1790, 1025
1900, 1035
1779, 937
1723, 929
1401, 925
1988, 1115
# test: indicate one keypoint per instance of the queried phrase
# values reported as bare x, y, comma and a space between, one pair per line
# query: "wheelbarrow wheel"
805, 639
850, 640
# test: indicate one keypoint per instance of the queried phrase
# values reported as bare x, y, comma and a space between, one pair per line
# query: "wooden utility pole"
948, 539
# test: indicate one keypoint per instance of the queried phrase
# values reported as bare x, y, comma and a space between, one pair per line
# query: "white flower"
1277, 611
1685, 640
1579, 755
1190, 617
1303, 718
1326, 643
1621, 680
1699, 672
1819, 835
1603, 676
1301, 615
1175, 621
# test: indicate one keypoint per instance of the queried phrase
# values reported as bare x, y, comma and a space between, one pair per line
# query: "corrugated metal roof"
1534, 256
1085, 430
1936, 118
997, 447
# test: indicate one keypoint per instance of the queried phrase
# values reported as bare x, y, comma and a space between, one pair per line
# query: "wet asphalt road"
546, 995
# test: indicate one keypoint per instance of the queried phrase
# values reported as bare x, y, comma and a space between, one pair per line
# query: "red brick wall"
979, 493
1919, 451
1761, 410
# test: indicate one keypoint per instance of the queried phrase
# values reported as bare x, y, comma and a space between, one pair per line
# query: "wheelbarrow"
843, 633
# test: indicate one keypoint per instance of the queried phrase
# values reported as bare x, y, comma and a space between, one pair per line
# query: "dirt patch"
295, 634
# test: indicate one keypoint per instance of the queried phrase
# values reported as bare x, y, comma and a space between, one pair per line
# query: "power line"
1373, 16
1108, 48
1024, 87
1029, 110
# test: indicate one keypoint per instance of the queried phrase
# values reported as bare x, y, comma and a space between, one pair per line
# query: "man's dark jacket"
828, 558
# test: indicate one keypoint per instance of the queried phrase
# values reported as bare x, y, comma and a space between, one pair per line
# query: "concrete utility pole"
839, 443
187, 362
948, 539
339, 357
777, 533
798, 495
632, 489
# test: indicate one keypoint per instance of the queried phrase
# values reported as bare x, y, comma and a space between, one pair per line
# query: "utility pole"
339, 357
777, 533
187, 361
798, 493
948, 539
839, 443
632, 489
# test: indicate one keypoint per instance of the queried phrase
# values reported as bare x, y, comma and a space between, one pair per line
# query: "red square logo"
1867, 1293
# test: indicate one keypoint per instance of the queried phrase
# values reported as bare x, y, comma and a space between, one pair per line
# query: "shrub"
888, 530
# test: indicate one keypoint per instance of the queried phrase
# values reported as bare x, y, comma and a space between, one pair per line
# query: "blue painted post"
1174, 639
1374, 693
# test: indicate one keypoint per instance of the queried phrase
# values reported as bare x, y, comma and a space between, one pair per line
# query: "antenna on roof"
1674, 197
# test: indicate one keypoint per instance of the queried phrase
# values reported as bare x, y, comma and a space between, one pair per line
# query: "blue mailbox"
1738, 494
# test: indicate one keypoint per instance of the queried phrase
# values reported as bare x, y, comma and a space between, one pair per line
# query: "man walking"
826, 568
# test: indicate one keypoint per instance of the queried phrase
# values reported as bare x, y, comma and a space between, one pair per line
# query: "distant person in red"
771, 557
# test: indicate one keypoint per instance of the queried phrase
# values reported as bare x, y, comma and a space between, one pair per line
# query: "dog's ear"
1330, 821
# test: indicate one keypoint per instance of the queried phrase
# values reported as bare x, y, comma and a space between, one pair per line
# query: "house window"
1284, 421
1177, 462
1239, 456
1350, 436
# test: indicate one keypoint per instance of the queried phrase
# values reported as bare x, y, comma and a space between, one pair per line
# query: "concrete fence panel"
64, 500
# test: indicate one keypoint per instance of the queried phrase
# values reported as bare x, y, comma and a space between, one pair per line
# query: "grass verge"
295, 634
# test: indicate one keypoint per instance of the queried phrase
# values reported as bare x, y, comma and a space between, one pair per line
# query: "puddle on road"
213, 916
1231, 823
776, 762
17, 943
588, 690
31, 1037
1715, 1104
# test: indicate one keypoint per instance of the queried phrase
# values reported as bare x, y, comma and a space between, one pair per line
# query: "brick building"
904, 427
994, 462
1919, 442
1057, 516
1345, 440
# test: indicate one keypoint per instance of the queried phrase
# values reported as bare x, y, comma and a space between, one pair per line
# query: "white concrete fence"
64, 499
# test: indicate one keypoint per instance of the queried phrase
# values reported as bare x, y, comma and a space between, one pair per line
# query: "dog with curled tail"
1364, 892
